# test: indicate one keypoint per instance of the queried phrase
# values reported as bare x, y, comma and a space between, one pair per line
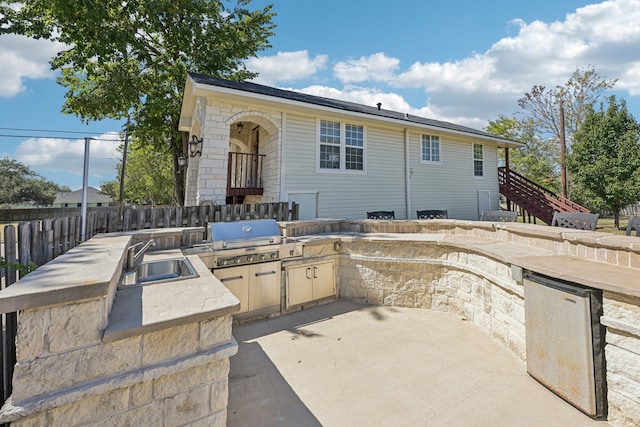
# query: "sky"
462, 61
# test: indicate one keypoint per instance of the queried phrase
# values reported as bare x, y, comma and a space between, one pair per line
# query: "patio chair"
432, 214
499, 216
575, 220
633, 224
381, 215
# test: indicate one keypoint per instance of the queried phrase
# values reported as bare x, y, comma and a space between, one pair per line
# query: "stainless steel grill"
244, 242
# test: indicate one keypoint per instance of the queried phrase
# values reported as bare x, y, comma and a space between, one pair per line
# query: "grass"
605, 225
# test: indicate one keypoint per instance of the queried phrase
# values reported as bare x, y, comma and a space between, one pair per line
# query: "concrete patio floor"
343, 364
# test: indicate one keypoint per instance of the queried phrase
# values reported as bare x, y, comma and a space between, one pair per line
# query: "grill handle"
265, 273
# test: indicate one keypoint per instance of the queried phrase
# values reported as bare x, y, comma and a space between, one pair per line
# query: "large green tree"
20, 185
148, 176
130, 58
605, 160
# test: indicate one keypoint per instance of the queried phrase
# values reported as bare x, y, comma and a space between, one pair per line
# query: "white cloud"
22, 58
377, 67
604, 36
48, 156
286, 66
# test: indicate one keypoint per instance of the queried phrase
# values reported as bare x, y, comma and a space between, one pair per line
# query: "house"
254, 143
72, 199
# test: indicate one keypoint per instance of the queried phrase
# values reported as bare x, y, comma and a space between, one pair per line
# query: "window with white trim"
341, 146
430, 149
478, 160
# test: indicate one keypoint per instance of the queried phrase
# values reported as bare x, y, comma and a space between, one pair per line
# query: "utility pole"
124, 165
563, 153
85, 186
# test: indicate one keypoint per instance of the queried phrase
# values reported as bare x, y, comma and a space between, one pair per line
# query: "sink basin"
163, 270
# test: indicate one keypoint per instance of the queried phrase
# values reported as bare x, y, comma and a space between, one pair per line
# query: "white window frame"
343, 148
481, 160
422, 152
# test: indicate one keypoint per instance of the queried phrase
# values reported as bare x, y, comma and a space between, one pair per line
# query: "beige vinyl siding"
451, 185
347, 194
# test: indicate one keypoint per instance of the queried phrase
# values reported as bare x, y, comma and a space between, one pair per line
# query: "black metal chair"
499, 216
432, 214
575, 220
381, 215
633, 224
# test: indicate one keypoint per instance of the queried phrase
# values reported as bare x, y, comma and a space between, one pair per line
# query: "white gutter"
407, 172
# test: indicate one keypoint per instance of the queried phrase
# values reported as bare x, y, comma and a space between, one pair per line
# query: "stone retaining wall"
66, 375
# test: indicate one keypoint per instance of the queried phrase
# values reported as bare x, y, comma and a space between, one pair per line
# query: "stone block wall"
621, 316
472, 286
66, 375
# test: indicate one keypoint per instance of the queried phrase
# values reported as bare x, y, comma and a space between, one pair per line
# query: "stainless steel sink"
163, 270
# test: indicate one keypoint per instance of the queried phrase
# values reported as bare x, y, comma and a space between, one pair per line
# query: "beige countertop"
591, 273
140, 309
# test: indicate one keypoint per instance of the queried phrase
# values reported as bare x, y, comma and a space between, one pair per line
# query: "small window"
478, 160
430, 149
329, 145
341, 146
354, 147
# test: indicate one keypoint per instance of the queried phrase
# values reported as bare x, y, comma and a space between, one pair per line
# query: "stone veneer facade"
176, 376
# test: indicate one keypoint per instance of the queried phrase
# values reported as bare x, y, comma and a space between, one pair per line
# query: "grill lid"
227, 235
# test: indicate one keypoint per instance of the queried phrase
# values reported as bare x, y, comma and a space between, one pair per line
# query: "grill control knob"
222, 262
236, 261
261, 257
249, 258
273, 255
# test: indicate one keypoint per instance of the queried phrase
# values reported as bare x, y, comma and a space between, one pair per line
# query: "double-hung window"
478, 160
341, 147
430, 149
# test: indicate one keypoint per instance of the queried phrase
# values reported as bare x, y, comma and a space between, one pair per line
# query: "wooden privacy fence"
37, 242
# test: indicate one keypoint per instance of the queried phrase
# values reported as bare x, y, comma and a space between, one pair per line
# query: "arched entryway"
253, 174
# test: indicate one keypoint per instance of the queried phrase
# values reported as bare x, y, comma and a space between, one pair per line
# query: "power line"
46, 130
55, 137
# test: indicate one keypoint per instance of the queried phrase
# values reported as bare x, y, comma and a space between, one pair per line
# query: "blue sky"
462, 61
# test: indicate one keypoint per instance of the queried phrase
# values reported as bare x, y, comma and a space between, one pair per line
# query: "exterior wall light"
195, 146
240, 126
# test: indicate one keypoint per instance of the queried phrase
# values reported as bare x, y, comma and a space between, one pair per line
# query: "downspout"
283, 150
407, 173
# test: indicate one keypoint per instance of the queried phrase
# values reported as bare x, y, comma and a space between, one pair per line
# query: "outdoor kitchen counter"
591, 273
140, 309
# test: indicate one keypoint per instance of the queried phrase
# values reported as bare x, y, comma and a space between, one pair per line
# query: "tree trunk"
179, 172
616, 219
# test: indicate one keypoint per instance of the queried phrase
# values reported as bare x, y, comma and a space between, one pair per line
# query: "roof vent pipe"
379, 104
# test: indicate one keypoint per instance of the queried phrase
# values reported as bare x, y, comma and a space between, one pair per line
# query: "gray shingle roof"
337, 104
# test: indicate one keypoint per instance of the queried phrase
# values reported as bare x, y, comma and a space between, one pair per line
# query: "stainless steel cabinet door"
264, 285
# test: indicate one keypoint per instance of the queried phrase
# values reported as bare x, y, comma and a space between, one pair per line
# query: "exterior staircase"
532, 198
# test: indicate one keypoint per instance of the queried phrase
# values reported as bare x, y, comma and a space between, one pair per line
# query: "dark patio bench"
381, 215
432, 214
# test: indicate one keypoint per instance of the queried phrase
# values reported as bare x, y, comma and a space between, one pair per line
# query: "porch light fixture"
194, 150
240, 126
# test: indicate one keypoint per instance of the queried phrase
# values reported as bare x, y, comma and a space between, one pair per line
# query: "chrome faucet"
133, 257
